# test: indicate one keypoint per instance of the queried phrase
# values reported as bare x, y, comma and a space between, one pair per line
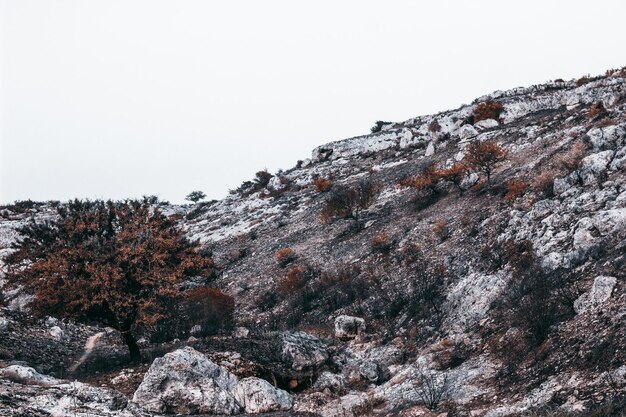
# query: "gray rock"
301, 350
196, 329
241, 332
348, 326
333, 382
600, 292
56, 333
430, 150
186, 381
256, 395
4, 324
34, 394
593, 167
486, 124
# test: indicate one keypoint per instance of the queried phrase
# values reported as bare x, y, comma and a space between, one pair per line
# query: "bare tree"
431, 387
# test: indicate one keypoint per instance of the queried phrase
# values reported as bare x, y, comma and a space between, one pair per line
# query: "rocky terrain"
494, 298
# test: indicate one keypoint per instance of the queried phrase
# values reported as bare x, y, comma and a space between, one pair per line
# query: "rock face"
301, 350
256, 395
599, 293
186, 381
33, 394
348, 326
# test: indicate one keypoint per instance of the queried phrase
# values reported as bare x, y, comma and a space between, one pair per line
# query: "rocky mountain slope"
497, 298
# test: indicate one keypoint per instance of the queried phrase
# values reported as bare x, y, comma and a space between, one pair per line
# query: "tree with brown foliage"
116, 263
485, 156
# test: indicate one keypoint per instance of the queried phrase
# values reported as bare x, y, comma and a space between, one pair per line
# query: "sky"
124, 98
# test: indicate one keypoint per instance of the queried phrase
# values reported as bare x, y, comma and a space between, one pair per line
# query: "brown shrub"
515, 189
440, 229
381, 243
455, 174
597, 111
285, 256
322, 184
294, 281
434, 126
426, 179
488, 110
411, 253
485, 156
570, 160
583, 80
544, 183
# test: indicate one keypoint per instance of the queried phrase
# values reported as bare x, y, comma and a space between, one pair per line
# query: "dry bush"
515, 189
293, 281
434, 126
544, 183
348, 202
485, 156
455, 174
322, 184
427, 179
431, 387
597, 111
441, 230
285, 256
337, 287
381, 243
378, 126
488, 110
570, 160
209, 308
536, 299
584, 80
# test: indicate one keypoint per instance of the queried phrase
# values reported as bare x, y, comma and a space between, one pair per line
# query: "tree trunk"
133, 348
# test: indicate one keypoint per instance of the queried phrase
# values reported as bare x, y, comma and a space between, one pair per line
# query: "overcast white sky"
121, 98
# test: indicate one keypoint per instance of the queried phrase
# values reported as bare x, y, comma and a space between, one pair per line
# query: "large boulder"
301, 350
348, 326
256, 395
187, 382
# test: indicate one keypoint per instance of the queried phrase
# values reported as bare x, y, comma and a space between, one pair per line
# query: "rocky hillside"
432, 294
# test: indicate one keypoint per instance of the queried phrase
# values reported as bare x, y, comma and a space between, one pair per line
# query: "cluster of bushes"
349, 201
260, 181
482, 157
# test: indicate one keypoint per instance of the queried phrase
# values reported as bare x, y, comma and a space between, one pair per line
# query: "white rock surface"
600, 292
301, 350
186, 381
256, 395
348, 326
